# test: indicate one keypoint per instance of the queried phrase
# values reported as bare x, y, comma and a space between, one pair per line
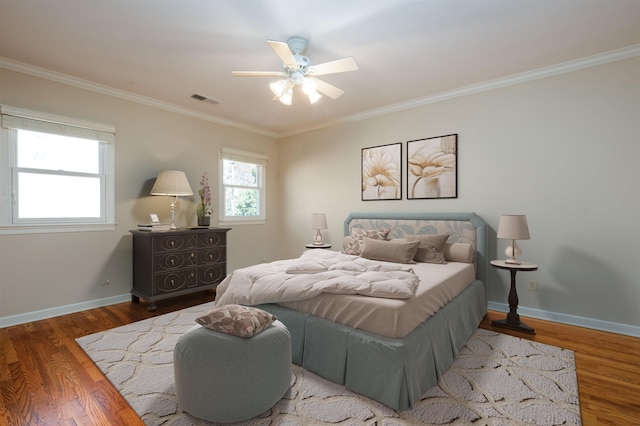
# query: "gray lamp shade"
171, 182
318, 221
513, 227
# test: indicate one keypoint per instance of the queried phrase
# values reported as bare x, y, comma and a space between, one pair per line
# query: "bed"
405, 344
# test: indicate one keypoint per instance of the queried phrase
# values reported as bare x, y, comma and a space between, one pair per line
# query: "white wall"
46, 271
563, 150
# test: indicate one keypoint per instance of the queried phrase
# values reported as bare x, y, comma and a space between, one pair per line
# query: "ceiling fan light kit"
298, 70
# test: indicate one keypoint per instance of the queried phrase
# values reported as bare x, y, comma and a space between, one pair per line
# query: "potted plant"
203, 210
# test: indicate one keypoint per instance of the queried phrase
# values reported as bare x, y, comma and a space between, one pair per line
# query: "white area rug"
495, 380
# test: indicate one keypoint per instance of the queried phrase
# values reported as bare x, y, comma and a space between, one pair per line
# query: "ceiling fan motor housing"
297, 44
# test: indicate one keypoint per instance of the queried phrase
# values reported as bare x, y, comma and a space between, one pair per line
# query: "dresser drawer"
212, 255
173, 242
174, 281
212, 239
177, 260
211, 274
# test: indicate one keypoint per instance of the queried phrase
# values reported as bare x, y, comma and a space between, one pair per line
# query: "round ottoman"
225, 378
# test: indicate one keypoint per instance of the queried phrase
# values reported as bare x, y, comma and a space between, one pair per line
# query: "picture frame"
381, 172
432, 168
154, 218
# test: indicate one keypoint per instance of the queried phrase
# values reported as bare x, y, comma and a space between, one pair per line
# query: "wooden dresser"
173, 263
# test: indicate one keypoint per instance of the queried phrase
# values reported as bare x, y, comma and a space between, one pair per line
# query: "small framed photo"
154, 218
382, 172
432, 167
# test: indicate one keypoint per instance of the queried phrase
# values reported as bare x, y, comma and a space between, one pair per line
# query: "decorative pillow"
243, 321
354, 245
431, 249
459, 252
392, 251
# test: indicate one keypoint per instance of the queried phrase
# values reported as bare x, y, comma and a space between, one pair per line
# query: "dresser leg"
152, 306
135, 299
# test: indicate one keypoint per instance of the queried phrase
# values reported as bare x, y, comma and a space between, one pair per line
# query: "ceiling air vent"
202, 98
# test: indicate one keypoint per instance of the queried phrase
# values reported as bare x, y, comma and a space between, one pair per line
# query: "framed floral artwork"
382, 172
432, 167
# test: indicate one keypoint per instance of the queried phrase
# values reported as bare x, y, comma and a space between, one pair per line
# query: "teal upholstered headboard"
461, 227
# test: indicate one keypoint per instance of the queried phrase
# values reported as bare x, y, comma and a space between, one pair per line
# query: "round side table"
314, 246
513, 319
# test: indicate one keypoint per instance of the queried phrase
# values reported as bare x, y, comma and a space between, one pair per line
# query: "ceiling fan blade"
325, 88
332, 67
284, 53
258, 73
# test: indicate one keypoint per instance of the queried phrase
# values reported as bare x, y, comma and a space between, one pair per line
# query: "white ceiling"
407, 50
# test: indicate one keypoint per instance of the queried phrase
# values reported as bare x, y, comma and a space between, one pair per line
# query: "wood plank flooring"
46, 379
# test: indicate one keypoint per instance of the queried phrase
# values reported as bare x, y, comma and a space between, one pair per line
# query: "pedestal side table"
513, 319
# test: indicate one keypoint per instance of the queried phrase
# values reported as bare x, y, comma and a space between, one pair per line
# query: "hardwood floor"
45, 378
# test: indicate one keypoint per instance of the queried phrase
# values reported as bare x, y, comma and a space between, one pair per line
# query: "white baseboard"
62, 310
612, 327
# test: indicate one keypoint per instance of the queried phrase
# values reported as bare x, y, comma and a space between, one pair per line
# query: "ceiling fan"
298, 70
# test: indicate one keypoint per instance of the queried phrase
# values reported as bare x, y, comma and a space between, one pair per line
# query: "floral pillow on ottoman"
243, 321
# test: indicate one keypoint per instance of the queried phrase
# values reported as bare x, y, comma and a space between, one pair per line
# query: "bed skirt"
395, 372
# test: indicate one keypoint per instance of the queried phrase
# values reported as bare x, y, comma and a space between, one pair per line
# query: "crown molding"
540, 73
537, 74
122, 94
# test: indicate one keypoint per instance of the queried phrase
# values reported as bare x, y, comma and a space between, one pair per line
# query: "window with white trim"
242, 186
57, 173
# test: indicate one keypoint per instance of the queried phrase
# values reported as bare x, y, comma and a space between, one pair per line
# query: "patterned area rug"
495, 380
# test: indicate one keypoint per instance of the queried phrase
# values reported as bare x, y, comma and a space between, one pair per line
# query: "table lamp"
513, 227
318, 222
173, 184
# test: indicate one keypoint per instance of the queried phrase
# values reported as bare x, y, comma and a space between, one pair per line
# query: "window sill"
51, 229
242, 222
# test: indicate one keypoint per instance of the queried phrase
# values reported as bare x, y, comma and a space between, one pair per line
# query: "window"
242, 186
57, 173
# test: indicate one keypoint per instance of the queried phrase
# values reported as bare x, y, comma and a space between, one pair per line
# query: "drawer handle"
173, 262
192, 274
193, 255
210, 274
172, 243
210, 240
210, 257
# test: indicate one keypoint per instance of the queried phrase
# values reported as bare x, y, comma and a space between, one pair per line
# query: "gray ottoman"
224, 378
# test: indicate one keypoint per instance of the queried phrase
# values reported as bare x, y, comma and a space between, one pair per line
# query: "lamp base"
512, 252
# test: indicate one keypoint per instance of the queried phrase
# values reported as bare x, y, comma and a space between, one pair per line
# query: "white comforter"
313, 273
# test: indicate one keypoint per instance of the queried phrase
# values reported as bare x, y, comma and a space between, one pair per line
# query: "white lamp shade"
171, 182
318, 221
513, 227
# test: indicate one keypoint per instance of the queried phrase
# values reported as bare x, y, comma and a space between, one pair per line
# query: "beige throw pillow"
431, 249
391, 251
459, 252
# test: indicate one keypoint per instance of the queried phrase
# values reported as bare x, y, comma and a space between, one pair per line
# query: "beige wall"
563, 150
46, 271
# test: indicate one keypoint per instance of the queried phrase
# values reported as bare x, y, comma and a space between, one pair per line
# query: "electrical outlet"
533, 285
